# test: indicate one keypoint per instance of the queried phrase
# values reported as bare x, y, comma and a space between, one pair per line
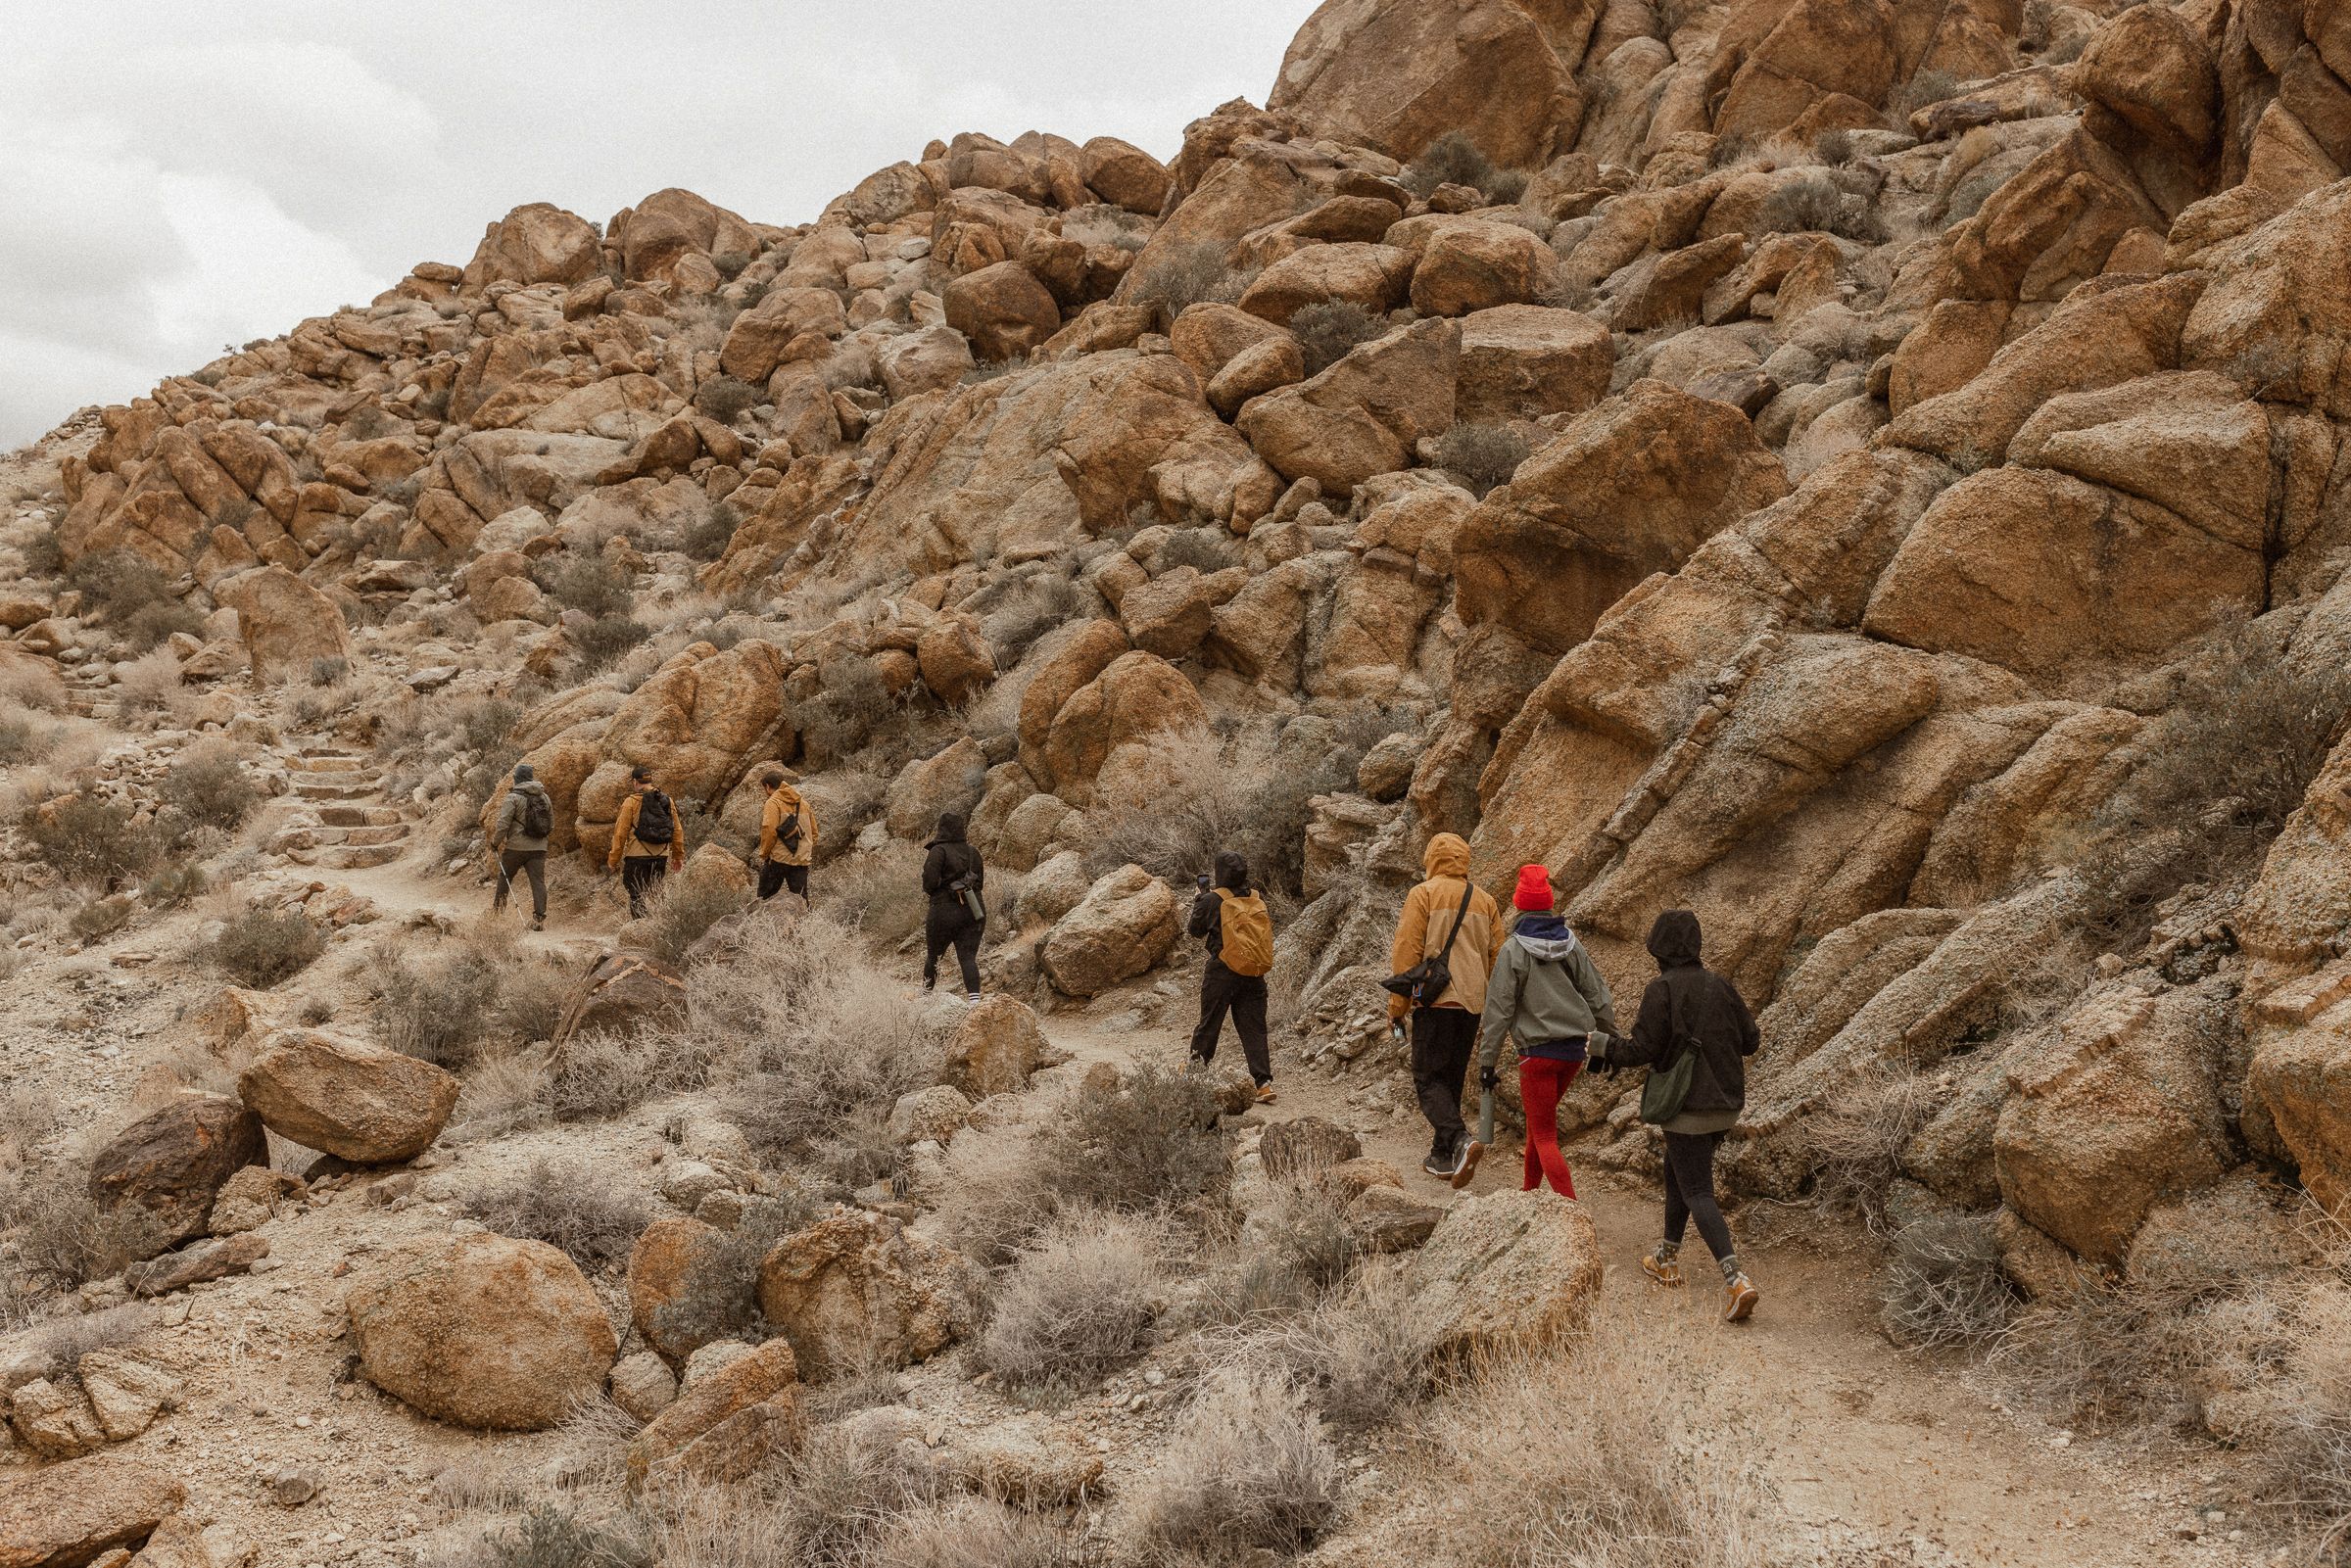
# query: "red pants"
1541, 1082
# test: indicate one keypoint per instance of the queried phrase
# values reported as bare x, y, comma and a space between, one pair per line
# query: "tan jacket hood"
1447, 855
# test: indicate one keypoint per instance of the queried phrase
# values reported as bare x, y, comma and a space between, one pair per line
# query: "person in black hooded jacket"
1690, 1007
953, 876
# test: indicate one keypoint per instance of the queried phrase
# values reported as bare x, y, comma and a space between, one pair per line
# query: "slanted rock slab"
1509, 1270
357, 1102
68, 1514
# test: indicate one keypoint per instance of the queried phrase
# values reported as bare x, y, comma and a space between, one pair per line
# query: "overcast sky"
178, 177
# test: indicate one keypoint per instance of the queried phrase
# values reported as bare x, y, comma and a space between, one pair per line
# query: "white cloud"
180, 177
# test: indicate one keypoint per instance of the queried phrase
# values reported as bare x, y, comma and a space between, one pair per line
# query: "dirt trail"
1867, 1442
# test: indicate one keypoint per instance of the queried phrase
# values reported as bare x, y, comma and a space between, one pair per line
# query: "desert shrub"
504, 1091
436, 1011
1834, 147
2104, 1355
22, 740
1658, 1476
148, 683
708, 539
717, 1299
472, 731
1329, 329
604, 1075
1924, 89
260, 947
976, 1533
98, 917
1300, 1248
594, 585
1853, 1144
61, 1345
877, 891
1483, 455
1941, 1287
1362, 1356
726, 399
575, 1204
1206, 550
175, 884
43, 556
1802, 206
852, 706
1453, 159
2233, 760
150, 624
328, 669
116, 584
1248, 1470
1023, 610
92, 841
32, 688
1192, 274
604, 641
548, 1536
683, 915
2294, 1357
1076, 1304
773, 1007
1148, 1141
62, 1240
207, 787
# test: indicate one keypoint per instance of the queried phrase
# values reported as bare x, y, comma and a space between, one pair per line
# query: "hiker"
1231, 920
1694, 1034
953, 878
647, 841
1546, 991
787, 837
520, 841
1444, 943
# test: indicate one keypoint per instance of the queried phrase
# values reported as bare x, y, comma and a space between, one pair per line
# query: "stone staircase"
358, 827
89, 696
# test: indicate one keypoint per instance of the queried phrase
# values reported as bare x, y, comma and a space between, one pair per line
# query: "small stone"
291, 1487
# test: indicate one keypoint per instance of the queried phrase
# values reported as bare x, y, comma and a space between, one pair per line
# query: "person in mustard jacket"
647, 839
787, 837
1444, 1029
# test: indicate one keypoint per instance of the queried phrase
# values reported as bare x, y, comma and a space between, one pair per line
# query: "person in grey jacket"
1546, 991
518, 847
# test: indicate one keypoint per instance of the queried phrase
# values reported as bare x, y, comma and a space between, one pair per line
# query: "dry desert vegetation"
1871, 472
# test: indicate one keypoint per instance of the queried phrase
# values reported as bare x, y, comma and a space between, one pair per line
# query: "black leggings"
1690, 1191
952, 927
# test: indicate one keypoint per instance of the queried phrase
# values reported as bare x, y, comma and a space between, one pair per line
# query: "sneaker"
973, 999
1438, 1167
1663, 1269
1265, 1094
1465, 1170
538, 922
1739, 1298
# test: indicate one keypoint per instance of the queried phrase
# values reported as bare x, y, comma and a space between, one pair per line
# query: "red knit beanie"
1534, 889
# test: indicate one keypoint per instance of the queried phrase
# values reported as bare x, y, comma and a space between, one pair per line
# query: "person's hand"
1487, 1078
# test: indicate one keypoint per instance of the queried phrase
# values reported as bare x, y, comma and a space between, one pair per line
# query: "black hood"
1233, 872
951, 830
1675, 941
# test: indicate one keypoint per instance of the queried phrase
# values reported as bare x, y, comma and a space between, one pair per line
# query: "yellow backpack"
1248, 932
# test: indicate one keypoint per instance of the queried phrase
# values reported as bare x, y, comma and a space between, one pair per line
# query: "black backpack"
538, 813
656, 823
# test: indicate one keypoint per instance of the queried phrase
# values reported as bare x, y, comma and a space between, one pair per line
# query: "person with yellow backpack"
1230, 918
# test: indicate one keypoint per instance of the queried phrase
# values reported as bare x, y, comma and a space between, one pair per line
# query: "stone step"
328, 765
335, 792
338, 816
388, 834
355, 857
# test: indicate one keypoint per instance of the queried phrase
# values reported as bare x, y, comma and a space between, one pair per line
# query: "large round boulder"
995, 1049
1121, 928
855, 1289
168, 1166
357, 1102
483, 1331
286, 623
1003, 309
1509, 1270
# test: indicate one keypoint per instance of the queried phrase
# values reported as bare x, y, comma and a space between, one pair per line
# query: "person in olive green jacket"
647, 839
1548, 992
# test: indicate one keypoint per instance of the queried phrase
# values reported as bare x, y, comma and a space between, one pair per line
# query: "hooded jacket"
1710, 1014
783, 803
626, 845
1207, 910
1546, 990
509, 835
949, 860
1428, 915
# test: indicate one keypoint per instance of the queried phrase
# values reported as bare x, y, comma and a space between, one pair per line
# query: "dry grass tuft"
1248, 1469
1942, 1287
572, 1203
1078, 1303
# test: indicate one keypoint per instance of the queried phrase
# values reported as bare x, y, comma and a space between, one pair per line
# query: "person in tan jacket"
647, 839
1444, 1031
787, 837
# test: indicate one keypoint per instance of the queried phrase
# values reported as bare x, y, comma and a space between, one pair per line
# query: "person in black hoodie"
953, 876
1224, 989
1690, 1007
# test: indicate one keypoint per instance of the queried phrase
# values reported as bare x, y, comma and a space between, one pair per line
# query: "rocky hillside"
1870, 471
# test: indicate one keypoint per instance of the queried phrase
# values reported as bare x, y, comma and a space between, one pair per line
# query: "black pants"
1222, 991
775, 873
1690, 1191
1442, 1040
642, 875
532, 862
952, 925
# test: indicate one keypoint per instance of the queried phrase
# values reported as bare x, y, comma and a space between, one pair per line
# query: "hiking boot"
1265, 1094
1663, 1269
538, 923
1438, 1167
1739, 1298
1465, 1168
